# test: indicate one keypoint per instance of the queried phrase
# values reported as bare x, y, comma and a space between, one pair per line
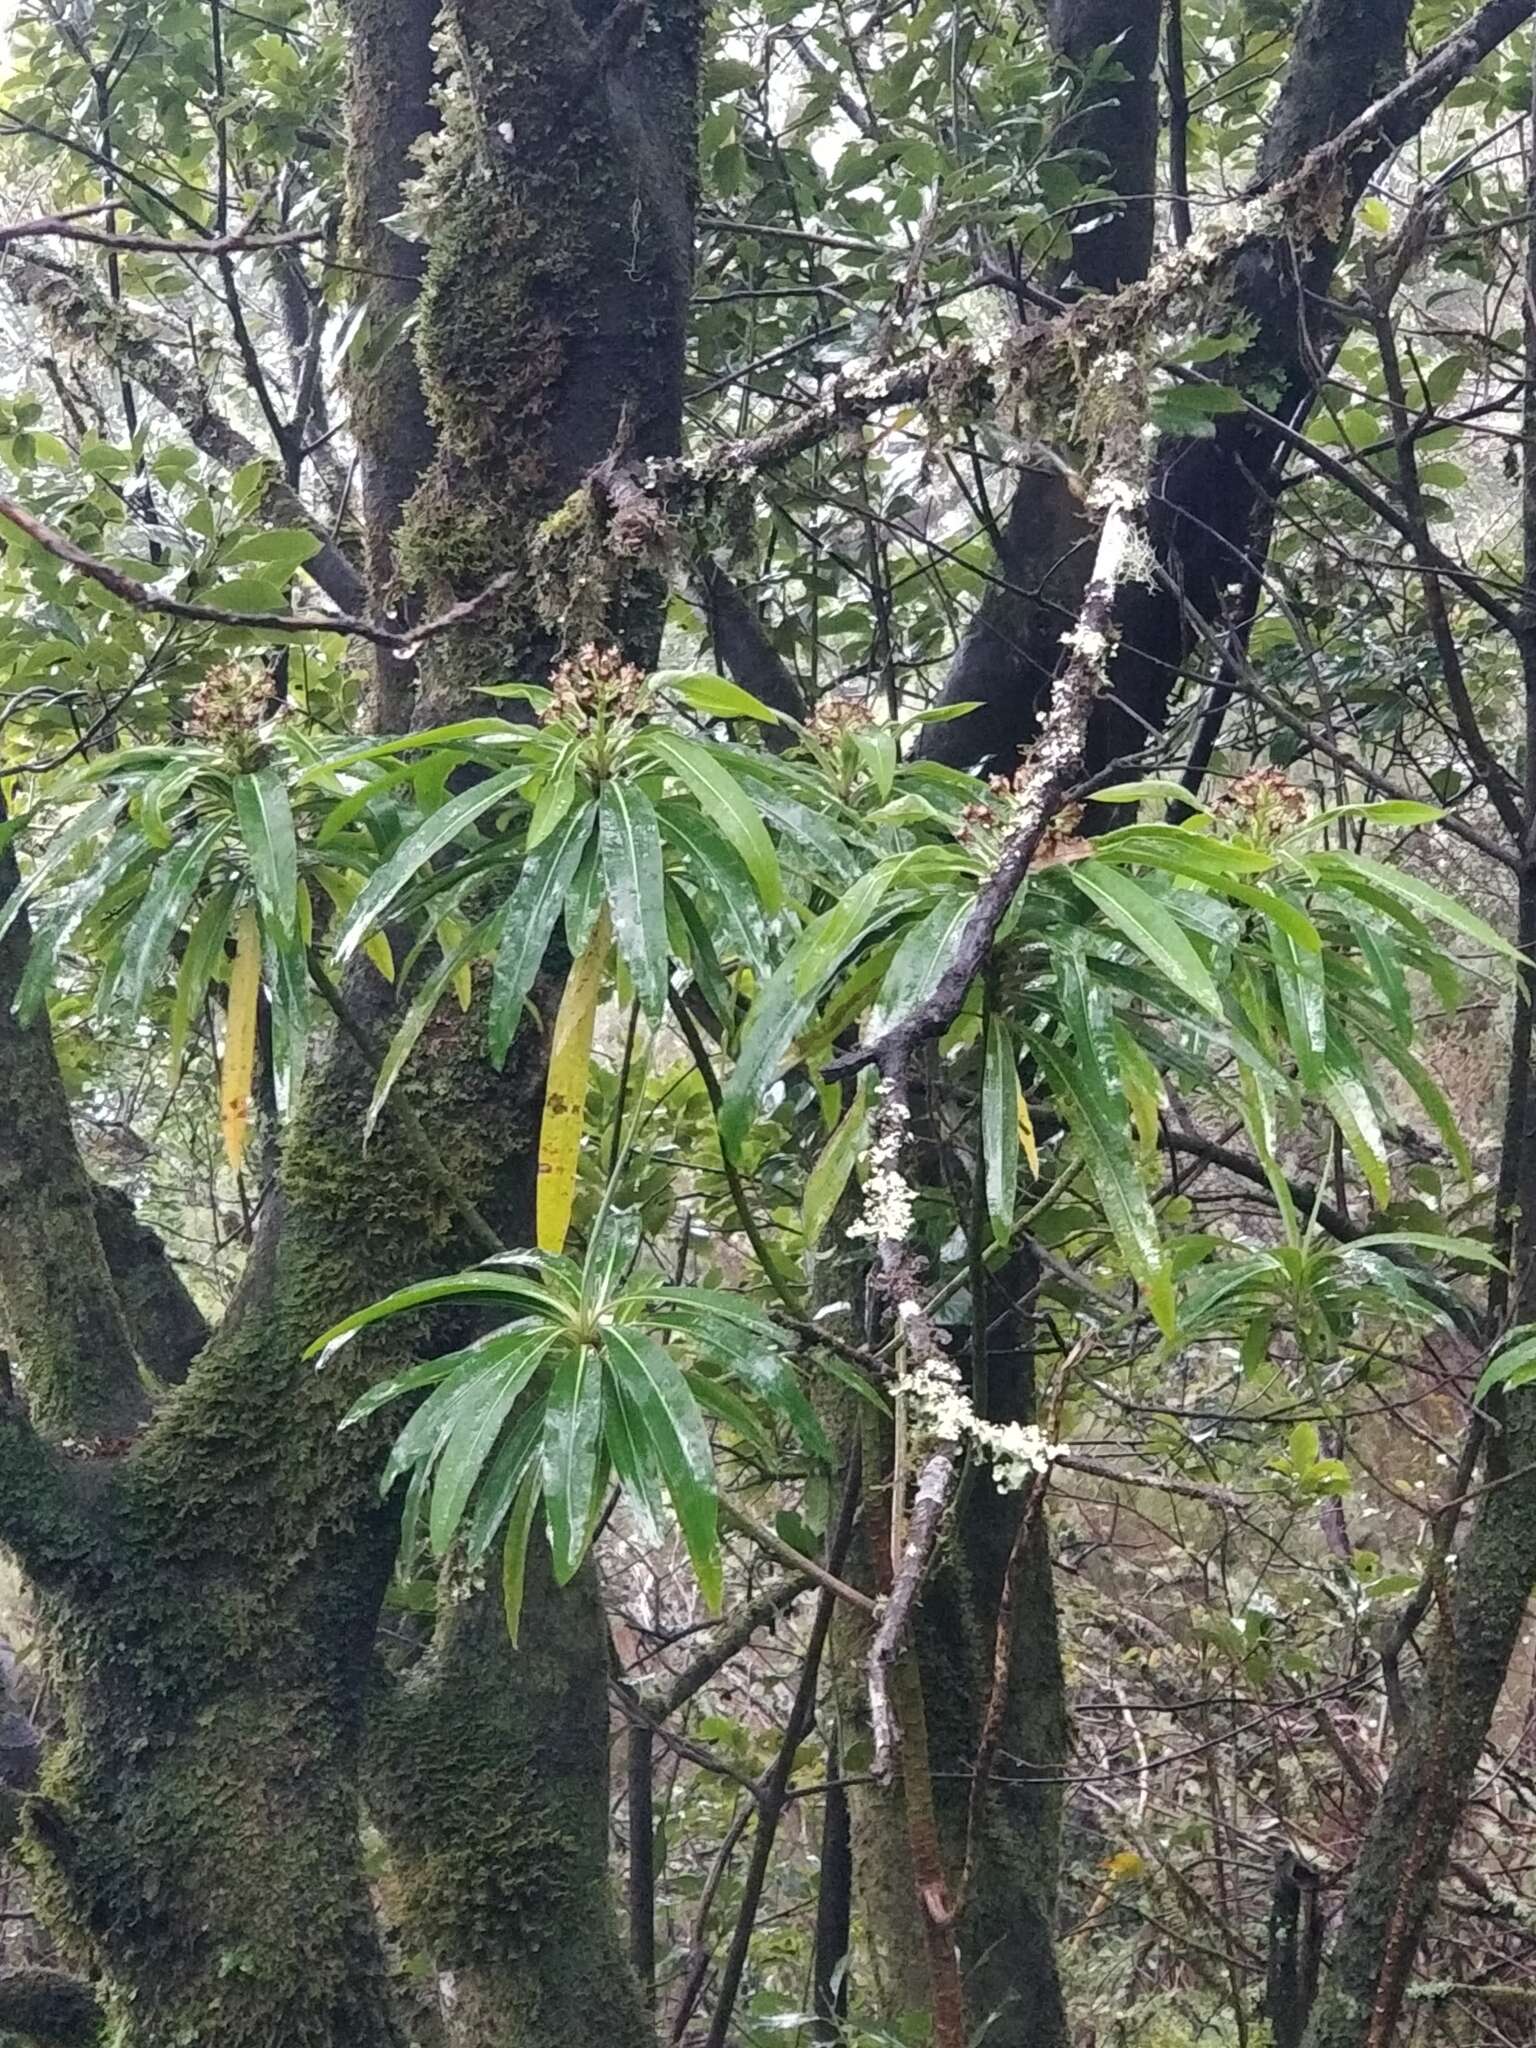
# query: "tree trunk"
1205, 491
1005, 1929
211, 1614
489, 1779
551, 331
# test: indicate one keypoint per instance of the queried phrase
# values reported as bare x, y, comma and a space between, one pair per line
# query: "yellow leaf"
565, 1090
450, 936
377, 949
1027, 1137
1125, 1863
240, 1039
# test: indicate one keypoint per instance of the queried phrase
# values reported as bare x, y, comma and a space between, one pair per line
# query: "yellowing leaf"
565, 1090
377, 950
1027, 1137
240, 1039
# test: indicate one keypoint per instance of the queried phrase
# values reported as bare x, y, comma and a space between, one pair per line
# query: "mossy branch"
74, 306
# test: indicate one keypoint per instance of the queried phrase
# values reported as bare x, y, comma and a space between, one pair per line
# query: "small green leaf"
714, 696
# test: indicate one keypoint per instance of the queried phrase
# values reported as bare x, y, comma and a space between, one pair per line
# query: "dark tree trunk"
210, 1603
551, 330
1206, 492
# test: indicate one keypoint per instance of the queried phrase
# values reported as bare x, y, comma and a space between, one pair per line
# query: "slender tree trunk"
1481, 1606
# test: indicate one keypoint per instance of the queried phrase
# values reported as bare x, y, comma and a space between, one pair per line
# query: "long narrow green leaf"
266, 825
833, 1166
478, 1284
517, 1456
178, 875
531, 911
422, 1008
413, 854
669, 1414
1136, 912
288, 993
514, 1550
572, 1427
204, 950
1112, 1169
476, 1428
1422, 896
95, 818
714, 865
721, 796
1000, 1127
779, 1013
630, 847
920, 960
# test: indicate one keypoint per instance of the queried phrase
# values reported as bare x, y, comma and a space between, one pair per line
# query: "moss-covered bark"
489, 1776
59, 1311
197, 1841
550, 332
552, 317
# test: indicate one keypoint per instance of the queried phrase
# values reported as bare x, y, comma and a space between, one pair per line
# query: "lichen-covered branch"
85, 318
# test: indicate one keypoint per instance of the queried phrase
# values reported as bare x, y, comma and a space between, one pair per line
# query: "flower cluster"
1262, 804
229, 703
593, 680
834, 716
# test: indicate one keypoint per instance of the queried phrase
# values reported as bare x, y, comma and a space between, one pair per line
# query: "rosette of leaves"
643, 844
1231, 953
601, 1375
218, 860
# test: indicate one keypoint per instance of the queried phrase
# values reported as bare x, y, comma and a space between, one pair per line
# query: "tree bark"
551, 331
391, 108
1205, 491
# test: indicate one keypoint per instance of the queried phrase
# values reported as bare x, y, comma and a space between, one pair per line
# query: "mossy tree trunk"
551, 331
211, 1597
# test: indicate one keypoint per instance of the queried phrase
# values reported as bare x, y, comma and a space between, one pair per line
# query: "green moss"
488, 1774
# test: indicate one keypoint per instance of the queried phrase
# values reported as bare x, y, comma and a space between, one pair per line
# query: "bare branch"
70, 227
